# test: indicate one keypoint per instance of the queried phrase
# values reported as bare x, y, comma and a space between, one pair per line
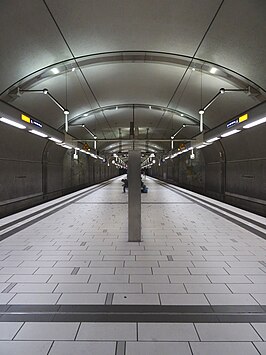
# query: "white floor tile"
223, 348
232, 299
83, 348
24, 347
261, 329
185, 299
226, 332
167, 332
136, 299
34, 298
157, 348
107, 331
8, 330
47, 331
83, 298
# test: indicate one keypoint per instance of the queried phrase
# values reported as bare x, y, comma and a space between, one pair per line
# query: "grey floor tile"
261, 347
18, 270
207, 288
5, 298
157, 348
149, 279
8, 330
96, 271
133, 271
120, 288
232, 299
34, 298
164, 288
47, 331
247, 288
167, 332
223, 348
109, 279
83, 348
76, 288
201, 279
129, 298
234, 279
226, 332
24, 347
69, 279
107, 331
33, 288
261, 329
54, 271
183, 299
83, 298
29, 278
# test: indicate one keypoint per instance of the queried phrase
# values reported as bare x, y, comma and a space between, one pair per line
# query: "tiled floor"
79, 255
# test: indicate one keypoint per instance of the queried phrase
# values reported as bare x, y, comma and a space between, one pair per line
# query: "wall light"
255, 123
12, 123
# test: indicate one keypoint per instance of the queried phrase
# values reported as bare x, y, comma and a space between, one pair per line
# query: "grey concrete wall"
34, 170
232, 170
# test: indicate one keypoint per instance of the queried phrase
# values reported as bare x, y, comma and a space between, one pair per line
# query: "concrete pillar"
134, 196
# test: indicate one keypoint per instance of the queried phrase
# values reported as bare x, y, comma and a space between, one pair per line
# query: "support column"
134, 196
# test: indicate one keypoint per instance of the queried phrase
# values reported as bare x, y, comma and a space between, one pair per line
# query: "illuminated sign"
30, 120
243, 118
25, 118
36, 123
232, 123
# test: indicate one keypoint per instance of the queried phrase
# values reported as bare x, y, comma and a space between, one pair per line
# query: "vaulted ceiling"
112, 62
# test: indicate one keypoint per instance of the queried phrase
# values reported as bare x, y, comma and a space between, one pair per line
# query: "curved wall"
232, 170
34, 170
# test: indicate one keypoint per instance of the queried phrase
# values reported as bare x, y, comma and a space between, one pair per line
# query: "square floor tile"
47, 331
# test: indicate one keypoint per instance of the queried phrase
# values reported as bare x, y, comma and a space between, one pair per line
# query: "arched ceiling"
147, 61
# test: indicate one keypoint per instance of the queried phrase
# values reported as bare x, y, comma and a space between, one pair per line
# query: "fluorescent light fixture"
12, 123
149, 107
85, 115
255, 123
154, 161
193, 69
38, 133
181, 114
166, 158
152, 155
66, 146
55, 71
201, 146
73, 69
116, 108
56, 140
213, 70
234, 131
212, 139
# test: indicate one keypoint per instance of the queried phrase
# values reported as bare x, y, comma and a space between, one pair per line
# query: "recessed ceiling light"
55, 71
85, 115
73, 69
